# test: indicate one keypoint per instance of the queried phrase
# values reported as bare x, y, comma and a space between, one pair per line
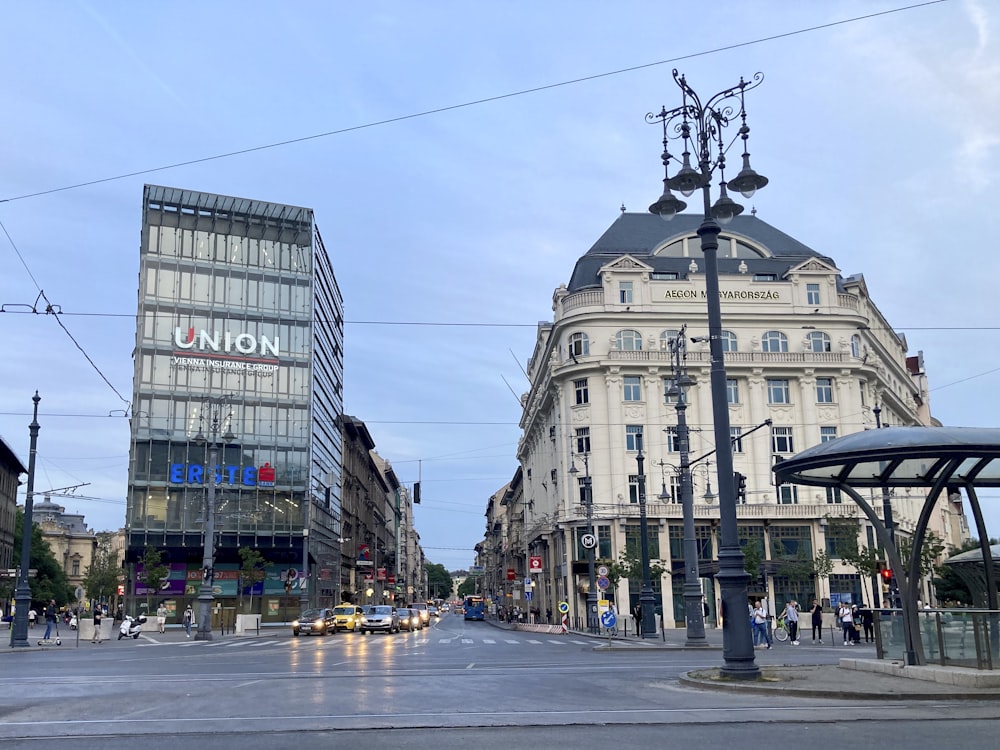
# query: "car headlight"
295, 623
318, 623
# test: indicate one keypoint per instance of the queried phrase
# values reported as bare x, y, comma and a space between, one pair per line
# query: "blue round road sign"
608, 619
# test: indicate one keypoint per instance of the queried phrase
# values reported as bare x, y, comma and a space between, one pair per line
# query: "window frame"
631, 337
778, 386
770, 339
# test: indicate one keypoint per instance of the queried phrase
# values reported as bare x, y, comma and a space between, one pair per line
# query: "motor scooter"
131, 627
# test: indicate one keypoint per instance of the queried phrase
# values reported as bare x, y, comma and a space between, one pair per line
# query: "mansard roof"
639, 234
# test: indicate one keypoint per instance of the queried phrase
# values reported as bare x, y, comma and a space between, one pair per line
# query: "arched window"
774, 341
818, 341
628, 341
856, 346
666, 338
579, 345
728, 341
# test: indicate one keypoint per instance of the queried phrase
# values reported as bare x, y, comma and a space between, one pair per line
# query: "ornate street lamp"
22, 593
588, 501
694, 615
205, 594
701, 128
647, 602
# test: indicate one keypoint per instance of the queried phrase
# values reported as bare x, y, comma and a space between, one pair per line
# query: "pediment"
814, 265
626, 263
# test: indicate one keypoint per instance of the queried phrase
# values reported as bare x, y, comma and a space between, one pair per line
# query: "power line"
472, 103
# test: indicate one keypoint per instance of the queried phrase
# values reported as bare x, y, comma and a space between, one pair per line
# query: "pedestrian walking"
97, 624
846, 624
32, 616
792, 621
50, 619
161, 618
816, 613
762, 635
187, 619
867, 622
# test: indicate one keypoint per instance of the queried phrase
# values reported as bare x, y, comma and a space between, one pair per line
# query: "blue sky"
450, 230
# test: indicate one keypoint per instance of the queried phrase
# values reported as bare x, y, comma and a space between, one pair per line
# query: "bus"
475, 607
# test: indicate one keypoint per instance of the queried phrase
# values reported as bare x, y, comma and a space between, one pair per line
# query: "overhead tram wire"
474, 102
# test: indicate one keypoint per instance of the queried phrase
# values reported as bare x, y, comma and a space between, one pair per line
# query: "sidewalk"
855, 678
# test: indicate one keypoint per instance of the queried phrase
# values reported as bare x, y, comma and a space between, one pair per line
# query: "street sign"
535, 564
603, 582
602, 570
564, 607
528, 583
527, 595
589, 541
511, 574
608, 619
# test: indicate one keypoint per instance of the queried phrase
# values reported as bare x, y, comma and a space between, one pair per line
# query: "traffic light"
886, 575
740, 481
121, 589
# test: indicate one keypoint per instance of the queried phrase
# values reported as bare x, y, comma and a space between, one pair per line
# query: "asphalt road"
456, 684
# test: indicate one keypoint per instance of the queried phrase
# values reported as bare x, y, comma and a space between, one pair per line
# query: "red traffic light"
121, 590
886, 574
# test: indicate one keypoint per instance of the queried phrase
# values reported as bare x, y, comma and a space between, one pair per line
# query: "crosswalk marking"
261, 643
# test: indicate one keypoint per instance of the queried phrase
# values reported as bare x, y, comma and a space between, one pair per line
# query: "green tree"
439, 581
948, 585
100, 580
252, 571
154, 572
467, 587
50, 580
753, 558
629, 566
930, 552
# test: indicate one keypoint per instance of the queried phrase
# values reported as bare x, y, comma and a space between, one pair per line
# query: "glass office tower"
238, 354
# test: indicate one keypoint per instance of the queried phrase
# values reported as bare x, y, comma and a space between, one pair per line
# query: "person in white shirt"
792, 621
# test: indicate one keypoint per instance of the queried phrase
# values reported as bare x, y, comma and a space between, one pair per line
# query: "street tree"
154, 572
439, 581
252, 572
50, 580
100, 579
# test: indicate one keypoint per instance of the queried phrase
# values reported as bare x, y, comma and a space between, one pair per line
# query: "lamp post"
701, 127
694, 615
22, 593
205, 594
304, 584
588, 502
647, 602
890, 525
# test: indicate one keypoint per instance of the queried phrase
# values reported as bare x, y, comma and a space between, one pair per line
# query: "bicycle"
780, 630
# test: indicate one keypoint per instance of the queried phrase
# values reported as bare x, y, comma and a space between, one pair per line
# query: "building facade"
73, 544
238, 355
809, 357
11, 470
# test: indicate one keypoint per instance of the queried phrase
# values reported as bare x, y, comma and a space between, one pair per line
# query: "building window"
625, 292
633, 488
604, 542
628, 341
791, 542
729, 342
703, 542
736, 438
667, 339
633, 540
777, 391
774, 341
765, 277
826, 434
633, 388
818, 342
833, 496
671, 438
633, 437
76, 567
583, 440
856, 346
781, 440
812, 294
824, 390
579, 345
732, 391
788, 494
582, 391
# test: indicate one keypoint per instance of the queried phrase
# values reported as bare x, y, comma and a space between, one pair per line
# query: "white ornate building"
805, 347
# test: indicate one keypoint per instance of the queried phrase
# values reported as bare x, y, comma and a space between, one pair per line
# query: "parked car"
382, 617
408, 618
348, 617
421, 607
318, 621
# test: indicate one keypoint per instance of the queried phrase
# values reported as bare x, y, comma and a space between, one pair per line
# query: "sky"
459, 158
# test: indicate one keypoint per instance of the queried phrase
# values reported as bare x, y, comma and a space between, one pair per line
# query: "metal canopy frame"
938, 458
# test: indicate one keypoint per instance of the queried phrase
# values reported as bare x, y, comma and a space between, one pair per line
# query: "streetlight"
647, 603
205, 595
22, 593
588, 502
700, 127
694, 615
